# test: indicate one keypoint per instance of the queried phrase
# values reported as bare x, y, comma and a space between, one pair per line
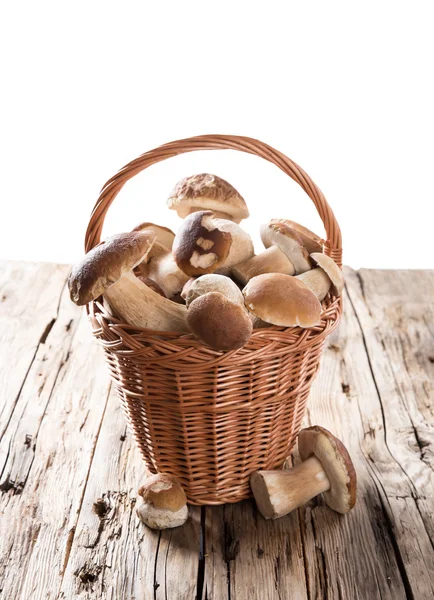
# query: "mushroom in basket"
207, 192
108, 269
216, 313
326, 276
204, 244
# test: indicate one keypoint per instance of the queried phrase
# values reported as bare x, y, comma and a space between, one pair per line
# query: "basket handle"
333, 245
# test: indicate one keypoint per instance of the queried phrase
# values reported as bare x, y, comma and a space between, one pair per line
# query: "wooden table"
70, 470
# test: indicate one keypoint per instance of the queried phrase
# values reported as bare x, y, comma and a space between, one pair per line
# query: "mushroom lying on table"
164, 502
216, 312
207, 192
108, 269
326, 469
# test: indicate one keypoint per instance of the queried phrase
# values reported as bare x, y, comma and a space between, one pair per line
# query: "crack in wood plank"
380, 400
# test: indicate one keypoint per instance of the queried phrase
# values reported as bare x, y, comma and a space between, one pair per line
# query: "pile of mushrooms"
206, 279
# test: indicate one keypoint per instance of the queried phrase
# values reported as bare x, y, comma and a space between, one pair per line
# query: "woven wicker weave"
212, 418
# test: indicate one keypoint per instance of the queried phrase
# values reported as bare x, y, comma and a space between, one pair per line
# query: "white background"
343, 88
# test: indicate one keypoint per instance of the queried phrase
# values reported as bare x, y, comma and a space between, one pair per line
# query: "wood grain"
70, 470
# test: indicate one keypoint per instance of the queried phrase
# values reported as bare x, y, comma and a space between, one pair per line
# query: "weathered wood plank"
113, 554
393, 310
29, 300
61, 407
248, 557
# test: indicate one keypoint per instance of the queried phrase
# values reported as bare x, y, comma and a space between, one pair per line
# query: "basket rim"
149, 344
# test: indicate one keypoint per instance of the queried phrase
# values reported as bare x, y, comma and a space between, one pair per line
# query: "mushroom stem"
271, 260
138, 305
279, 492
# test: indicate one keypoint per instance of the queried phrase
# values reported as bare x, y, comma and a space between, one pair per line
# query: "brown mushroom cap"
206, 191
241, 248
272, 260
105, 264
277, 233
336, 462
213, 283
282, 300
311, 241
199, 246
164, 235
328, 265
218, 322
163, 491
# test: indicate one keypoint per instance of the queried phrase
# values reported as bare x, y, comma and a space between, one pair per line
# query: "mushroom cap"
277, 233
157, 518
328, 265
206, 191
318, 281
272, 260
186, 287
218, 322
241, 248
213, 283
199, 246
311, 241
282, 300
163, 491
336, 462
164, 235
105, 264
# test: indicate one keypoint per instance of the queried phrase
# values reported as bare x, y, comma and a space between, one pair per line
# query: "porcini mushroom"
199, 246
282, 300
139, 305
311, 241
164, 502
207, 192
241, 248
163, 235
277, 233
329, 266
160, 266
272, 260
213, 283
318, 281
219, 322
108, 269
326, 469
105, 264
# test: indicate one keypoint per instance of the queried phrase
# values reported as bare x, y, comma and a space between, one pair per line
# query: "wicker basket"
212, 418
